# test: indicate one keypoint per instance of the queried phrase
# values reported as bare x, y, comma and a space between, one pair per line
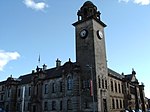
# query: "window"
69, 104
112, 88
29, 106
69, 83
7, 107
3, 88
122, 89
99, 82
86, 84
53, 105
119, 88
115, 86
132, 90
37, 89
106, 84
53, 87
123, 103
19, 91
102, 83
60, 105
45, 106
61, 86
113, 103
24, 107
45, 88
2, 97
120, 103
29, 91
18, 107
8, 92
117, 104
86, 104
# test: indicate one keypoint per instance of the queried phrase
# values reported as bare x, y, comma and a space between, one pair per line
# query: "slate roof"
50, 73
128, 77
58, 71
54, 72
115, 74
3, 82
24, 79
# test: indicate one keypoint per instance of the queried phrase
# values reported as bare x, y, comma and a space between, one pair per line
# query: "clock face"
83, 33
99, 34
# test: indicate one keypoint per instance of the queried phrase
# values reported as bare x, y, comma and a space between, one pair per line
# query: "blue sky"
32, 27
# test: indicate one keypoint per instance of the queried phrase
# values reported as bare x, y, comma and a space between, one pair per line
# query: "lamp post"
91, 69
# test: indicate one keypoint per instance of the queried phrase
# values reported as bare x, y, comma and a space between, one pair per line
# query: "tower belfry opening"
88, 10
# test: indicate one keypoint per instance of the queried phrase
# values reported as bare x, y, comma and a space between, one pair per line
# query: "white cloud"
5, 57
37, 6
140, 2
123, 0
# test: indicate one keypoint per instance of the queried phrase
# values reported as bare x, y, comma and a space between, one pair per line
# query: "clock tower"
91, 55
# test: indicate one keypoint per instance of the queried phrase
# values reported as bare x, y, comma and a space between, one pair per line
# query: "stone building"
85, 85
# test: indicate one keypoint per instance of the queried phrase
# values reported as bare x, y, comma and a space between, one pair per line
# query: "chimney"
58, 63
44, 67
133, 72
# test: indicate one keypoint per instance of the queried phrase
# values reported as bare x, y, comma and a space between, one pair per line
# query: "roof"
25, 78
115, 74
66, 68
131, 78
128, 77
50, 73
88, 3
3, 82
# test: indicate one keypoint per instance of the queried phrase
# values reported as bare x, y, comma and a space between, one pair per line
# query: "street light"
91, 69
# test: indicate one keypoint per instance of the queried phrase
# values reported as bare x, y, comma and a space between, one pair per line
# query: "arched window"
69, 104
69, 83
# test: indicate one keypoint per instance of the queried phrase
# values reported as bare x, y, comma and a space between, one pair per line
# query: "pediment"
134, 79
